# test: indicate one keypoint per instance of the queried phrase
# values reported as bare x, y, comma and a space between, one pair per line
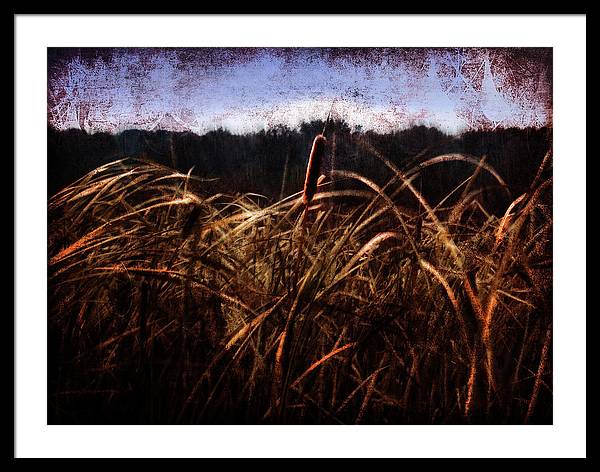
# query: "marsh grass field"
367, 303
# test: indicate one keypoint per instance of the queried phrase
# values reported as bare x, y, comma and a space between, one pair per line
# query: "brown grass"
169, 305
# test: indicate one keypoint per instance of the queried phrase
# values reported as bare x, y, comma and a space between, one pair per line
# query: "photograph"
300, 235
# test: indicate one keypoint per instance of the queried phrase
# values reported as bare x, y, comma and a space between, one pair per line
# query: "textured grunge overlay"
251, 89
300, 236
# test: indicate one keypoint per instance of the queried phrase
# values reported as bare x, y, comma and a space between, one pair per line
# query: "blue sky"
245, 90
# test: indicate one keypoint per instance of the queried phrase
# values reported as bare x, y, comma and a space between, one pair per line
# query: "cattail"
313, 169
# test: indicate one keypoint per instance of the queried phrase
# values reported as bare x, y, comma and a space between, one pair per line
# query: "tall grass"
171, 305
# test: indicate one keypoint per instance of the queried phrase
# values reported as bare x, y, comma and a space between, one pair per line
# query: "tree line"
273, 162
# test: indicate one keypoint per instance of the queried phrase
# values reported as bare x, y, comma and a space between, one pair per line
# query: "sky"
250, 89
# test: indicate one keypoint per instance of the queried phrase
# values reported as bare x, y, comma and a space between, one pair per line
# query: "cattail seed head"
313, 169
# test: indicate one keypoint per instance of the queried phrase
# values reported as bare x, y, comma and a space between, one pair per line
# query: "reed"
313, 169
382, 310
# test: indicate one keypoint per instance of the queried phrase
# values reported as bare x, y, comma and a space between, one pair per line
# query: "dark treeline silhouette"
273, 162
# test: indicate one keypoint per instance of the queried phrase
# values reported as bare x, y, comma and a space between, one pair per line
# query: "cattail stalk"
313, 169
285, 175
